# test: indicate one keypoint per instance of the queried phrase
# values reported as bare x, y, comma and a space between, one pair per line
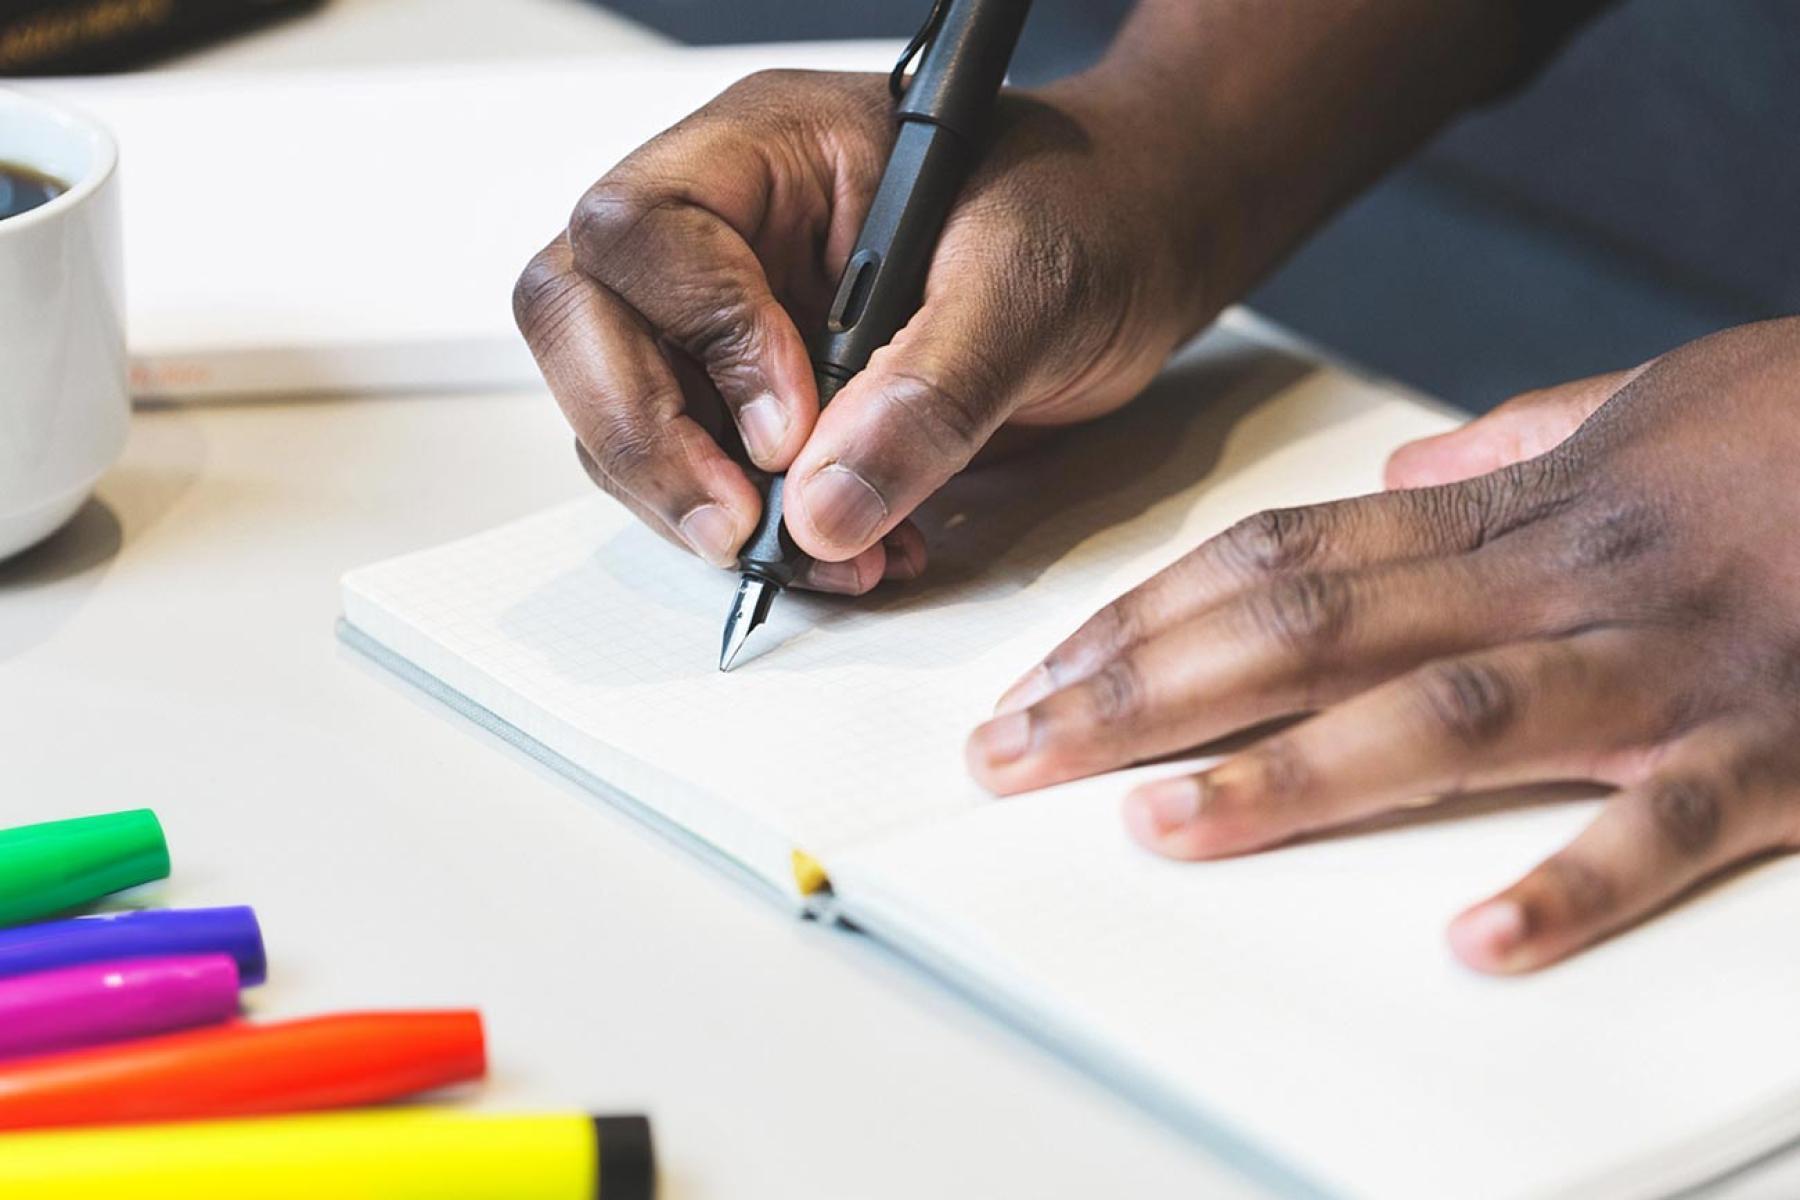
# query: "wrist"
1251, 126
1165, 210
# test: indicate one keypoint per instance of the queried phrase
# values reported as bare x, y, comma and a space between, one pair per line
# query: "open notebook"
1297, 1010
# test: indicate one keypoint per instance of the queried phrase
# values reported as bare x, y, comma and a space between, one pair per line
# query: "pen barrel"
884, 278
880, 290
965, 65
942, 121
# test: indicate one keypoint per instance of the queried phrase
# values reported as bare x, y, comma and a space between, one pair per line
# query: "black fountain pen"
942, 116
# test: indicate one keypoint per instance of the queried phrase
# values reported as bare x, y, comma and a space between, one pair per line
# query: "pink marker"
111, 1001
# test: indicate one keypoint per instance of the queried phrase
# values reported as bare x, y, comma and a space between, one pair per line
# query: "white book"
1299, 1009
307, 232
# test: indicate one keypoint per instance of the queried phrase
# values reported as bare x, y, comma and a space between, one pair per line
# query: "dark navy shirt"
1637, 187
1667, 129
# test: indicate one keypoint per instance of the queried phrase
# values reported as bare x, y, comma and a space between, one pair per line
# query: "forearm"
1261, 118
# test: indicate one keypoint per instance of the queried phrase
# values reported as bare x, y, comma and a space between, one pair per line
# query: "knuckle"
1579, 889
543, 299
605, 217
1304, 613
766, 79
1478, 506
1472, 702
595, 467
1115, 693
1283, 774
589, 467
1107, 632
1616, 535
623, 447
1458, 512
1274, 541
719, 329
1680, 711
707, 306
1780, 671
1687, 813
1522, 494
953, 418
622, 227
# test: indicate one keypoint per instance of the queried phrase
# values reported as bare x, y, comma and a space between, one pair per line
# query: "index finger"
1383, 529
626, 407
669, 231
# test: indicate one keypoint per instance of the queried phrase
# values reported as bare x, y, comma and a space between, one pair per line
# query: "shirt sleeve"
1544, 25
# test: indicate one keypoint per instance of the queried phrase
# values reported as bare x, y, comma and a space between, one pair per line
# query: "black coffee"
23, 189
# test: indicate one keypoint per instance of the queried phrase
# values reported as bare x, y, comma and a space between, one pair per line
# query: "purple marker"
156, 933
106, 1002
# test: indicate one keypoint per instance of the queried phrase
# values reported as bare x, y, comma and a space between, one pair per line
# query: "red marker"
244, 1069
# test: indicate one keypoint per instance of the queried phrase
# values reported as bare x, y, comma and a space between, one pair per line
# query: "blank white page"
1305, 998
845, 719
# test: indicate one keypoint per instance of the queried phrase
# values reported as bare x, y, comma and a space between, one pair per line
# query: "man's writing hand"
676, 304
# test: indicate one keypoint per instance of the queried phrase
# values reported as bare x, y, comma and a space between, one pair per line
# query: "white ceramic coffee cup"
64, 402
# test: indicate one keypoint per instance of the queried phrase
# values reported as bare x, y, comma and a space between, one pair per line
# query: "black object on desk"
1063, 36
72, 37
942, 117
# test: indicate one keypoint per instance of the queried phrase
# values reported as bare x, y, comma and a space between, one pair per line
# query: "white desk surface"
173, 648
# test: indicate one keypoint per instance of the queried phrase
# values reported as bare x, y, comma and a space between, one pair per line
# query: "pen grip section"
770, 553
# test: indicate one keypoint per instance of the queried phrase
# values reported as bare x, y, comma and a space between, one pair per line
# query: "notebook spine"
72, 37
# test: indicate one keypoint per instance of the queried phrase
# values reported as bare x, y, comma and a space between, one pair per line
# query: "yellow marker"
808, 874
379, 1154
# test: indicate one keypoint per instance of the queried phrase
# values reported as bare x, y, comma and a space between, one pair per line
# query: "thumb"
1524, 427
914, 417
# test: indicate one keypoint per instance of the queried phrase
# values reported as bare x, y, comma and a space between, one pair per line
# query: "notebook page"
845, 719
1305, 999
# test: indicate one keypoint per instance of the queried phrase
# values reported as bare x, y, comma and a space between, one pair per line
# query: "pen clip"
934, 20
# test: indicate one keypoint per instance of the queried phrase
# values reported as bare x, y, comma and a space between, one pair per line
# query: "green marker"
50, 868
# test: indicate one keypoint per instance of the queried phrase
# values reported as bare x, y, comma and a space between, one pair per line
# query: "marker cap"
49, 868
444, 1154
107, 1002
153, 933
627, 1166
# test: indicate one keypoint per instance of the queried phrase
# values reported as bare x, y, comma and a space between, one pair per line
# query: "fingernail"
1173, 803
900, 568
764, 424
712, 535
843, 507
834, 577
902, 559
1490, 934
1032, 686
1004, 739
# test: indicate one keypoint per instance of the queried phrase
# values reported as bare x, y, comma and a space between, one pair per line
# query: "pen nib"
749, 609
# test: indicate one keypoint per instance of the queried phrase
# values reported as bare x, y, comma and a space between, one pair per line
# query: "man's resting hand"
1621, 607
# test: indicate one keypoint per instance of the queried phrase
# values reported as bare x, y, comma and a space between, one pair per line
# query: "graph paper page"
846, 718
